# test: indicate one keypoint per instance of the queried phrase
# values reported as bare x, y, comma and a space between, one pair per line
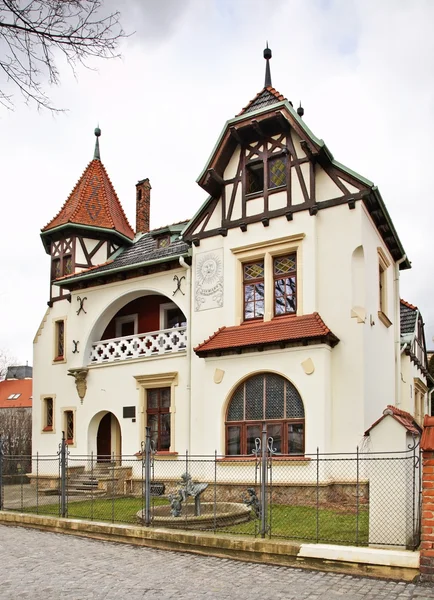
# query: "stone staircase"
93, 482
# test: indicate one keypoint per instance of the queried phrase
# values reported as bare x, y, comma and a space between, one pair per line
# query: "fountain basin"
223, 515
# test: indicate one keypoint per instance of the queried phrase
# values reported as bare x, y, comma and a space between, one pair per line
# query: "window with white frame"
127, 325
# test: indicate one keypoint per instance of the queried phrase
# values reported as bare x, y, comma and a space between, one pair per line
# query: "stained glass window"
55, 268
277, 171
255, 177
67, 265
69, 426
163, 242
253, 275
60, 339
265, 398
158, 417
285, 284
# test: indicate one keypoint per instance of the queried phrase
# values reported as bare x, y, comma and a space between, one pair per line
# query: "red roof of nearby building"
10, 387
427, 440
403, 417
93, 202
270, 89
408, 305
259, 333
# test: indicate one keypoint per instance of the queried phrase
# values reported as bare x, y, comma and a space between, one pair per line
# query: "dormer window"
274, 167
163, 241
277, 171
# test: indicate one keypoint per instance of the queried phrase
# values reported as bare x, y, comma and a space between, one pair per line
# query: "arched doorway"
108, 439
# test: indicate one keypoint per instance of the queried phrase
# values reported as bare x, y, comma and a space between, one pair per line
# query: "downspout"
188, 269
397, 328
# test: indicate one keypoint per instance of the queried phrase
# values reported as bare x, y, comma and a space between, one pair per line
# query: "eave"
69, 282
56, 233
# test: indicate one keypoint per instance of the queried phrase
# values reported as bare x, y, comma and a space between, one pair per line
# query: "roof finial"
267, 56
96, 155
300, 110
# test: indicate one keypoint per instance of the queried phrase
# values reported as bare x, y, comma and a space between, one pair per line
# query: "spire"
96, 155
267, 56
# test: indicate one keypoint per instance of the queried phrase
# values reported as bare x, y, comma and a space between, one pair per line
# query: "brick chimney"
143, 205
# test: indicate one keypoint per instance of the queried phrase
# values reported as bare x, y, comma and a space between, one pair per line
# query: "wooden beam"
258, 128
235, 134
212, 173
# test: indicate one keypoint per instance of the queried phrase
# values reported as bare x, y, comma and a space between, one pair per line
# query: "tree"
34, 34
6, 360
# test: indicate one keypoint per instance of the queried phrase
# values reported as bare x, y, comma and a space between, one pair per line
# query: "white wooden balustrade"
153, 343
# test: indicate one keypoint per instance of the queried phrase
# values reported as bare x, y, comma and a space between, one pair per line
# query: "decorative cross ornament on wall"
81, 301
76, 350
178, 284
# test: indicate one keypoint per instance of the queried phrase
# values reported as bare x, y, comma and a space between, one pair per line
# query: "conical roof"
93, 203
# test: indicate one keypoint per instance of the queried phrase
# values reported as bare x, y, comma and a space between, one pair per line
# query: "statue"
188, 488
253, 501
175, 504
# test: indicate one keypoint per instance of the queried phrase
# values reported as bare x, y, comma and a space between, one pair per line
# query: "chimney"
143, 205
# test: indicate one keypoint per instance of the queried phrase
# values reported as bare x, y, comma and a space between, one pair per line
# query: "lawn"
291, 522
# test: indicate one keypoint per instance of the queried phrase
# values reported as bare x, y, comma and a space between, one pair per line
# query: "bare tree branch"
34, 33
6, 360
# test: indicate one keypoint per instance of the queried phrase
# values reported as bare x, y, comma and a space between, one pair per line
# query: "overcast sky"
363, 70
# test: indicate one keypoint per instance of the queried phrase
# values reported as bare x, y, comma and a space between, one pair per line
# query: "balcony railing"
153, 343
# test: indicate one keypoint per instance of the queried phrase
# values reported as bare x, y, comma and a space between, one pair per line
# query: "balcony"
142, 345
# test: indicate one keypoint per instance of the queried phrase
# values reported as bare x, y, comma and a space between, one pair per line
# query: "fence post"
63, 466
148, 477
1, 473
357, 497
264, 447
317, 494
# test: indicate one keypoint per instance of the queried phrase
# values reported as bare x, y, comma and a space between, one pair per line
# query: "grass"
290, 522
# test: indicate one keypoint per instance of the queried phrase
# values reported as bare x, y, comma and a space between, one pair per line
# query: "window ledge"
48, 429
384, 318
59, 360
243, 459
160, 454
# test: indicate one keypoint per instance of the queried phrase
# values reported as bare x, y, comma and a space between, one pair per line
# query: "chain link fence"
363, 498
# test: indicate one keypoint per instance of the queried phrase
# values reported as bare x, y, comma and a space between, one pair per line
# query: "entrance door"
104, 439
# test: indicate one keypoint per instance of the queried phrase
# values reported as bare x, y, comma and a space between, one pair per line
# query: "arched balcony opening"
145, 326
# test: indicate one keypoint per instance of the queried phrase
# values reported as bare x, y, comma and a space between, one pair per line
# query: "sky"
362, 69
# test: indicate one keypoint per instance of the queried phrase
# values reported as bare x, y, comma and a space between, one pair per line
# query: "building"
16, 415
278, 302
16, 389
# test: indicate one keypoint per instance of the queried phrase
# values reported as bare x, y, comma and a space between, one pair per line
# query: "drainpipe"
188, 269
397, 328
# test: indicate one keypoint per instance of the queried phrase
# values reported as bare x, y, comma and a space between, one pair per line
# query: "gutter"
95, 274
397, 328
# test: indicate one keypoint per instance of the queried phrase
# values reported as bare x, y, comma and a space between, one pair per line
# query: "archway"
105, 437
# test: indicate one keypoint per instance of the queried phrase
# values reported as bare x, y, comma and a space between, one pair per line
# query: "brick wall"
427, 521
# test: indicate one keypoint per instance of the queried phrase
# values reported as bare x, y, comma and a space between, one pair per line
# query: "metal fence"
363, 498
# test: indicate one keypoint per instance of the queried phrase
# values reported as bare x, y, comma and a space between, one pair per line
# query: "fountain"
179, 514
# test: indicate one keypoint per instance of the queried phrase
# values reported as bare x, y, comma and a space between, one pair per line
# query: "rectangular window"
382, 288
56, 271
59, 351
255, 177
253, 288
285, 284
158, 417
48, 415
277, 171
67, 265
69, 426
296, 438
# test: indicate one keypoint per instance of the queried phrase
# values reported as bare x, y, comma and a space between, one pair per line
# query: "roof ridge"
398, 411
107, 262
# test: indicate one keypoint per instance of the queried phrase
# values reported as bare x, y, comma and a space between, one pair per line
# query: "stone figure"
175, 504
188, 488
252, 500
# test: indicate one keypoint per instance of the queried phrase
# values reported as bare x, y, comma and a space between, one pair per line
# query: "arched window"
265, 398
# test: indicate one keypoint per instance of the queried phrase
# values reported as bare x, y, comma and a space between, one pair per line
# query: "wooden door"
104, 439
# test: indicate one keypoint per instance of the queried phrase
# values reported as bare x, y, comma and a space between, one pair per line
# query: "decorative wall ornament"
218, 375
178, 284
308, 366
76, 350
81, 301
208, 291
80, 381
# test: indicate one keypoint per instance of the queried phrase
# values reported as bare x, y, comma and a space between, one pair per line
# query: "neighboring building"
277, 302
16, 389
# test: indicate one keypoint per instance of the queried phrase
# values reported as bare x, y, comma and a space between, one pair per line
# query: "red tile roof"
403, 417
94, 202
427, 440
287, 329
270, 89
16, 386
408, 305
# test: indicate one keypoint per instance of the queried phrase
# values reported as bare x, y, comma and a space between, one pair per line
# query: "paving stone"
39, 565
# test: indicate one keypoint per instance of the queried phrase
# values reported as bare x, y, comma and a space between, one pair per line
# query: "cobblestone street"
47, 566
